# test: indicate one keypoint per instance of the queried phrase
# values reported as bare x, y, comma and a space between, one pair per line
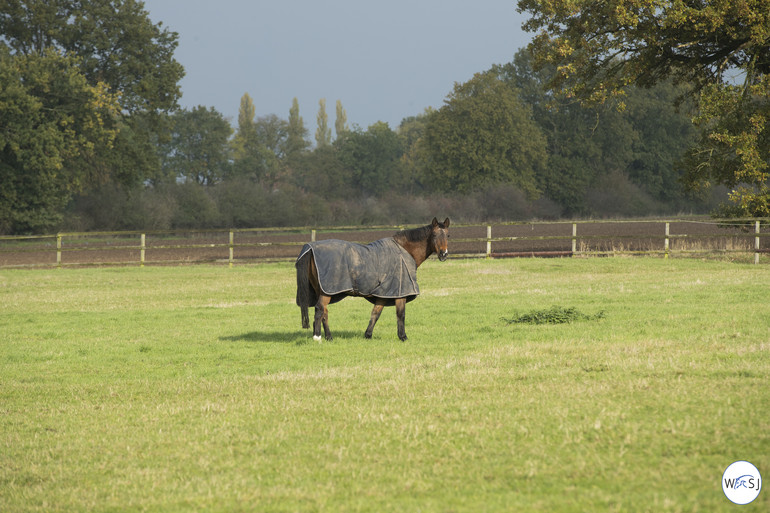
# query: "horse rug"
381, 269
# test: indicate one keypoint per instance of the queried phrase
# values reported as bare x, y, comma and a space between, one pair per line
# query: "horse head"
440, 238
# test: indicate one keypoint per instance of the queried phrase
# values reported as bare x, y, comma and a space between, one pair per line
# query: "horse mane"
414, 234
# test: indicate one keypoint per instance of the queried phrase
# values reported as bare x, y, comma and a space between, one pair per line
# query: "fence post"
756, 242
312, 235
230, 261
142, 246
574, 238
665, 242
489, 241
58, 249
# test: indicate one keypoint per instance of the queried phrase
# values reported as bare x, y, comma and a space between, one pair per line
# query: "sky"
384, 60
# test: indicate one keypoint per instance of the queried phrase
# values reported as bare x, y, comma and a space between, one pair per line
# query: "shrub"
553, 315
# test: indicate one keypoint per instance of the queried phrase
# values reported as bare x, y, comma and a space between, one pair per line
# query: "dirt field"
508, 240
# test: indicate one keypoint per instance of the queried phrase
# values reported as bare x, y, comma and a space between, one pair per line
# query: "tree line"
93, 138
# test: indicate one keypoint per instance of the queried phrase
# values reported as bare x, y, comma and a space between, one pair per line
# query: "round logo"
741, 482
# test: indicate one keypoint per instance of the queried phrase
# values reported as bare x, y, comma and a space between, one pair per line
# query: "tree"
483, 135
601, 48
664, 136
323, 134
297, 135
734, 148
341, 121
373, 159
587, 143
245, 146
260, 147
323, 174
411, 132
272, 136
115, 48
199, 149
54, 125
246, 114
114, 42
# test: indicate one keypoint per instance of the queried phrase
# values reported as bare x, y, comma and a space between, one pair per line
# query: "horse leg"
321, 318
376, 311
400, 317
308, 288
327, 333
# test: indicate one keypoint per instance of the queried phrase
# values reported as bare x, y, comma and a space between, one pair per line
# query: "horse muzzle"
442, 255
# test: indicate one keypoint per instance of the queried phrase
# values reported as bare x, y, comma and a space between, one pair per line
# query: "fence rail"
535, 239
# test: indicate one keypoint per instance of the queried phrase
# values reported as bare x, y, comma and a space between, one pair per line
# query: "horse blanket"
381, 269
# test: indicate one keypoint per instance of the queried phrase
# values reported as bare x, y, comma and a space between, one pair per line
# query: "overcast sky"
385, 60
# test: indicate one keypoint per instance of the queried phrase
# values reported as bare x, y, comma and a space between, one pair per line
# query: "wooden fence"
533, 239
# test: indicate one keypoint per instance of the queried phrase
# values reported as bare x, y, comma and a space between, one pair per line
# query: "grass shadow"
286, 337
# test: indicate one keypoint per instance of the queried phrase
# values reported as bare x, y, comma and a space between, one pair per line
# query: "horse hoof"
367, 335
403, 339
317, 338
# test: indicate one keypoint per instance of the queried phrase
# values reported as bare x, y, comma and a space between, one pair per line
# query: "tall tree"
297, 136
114, 42
246, 114
483, 135
323, 134
115, 47
245, 146
54, 124
341, 121
601, 48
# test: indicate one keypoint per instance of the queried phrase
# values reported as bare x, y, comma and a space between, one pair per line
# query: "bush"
554, 315
195, 206
242, 203
614, 195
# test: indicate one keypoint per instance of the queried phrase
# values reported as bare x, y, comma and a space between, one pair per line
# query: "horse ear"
446, 223
435, 222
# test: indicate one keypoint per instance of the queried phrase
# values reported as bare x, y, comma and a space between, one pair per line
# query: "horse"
383, 272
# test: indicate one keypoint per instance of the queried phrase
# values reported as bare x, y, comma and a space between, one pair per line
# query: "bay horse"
383, 272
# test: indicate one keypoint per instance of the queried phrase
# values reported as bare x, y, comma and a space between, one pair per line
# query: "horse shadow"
286, 337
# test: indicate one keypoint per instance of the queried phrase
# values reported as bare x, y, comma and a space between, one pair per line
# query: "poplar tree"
341, 122
297, 136
323, 134
246, 134
245, 145
246, 114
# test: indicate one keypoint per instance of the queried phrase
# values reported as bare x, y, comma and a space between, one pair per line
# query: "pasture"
194, 388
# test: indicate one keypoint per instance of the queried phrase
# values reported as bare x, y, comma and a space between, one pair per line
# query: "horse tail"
303, 286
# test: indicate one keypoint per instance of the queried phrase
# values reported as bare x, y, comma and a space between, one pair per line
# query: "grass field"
194, 389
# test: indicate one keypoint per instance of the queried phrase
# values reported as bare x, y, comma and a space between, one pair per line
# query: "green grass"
194, 388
